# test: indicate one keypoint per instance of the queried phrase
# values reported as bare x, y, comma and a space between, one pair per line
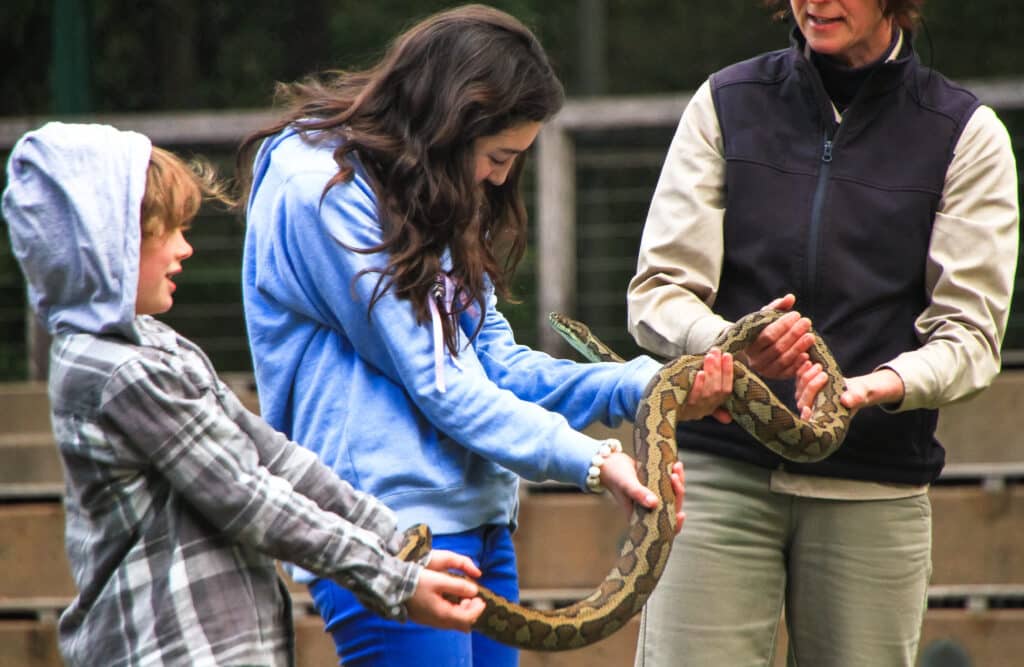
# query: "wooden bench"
28, 635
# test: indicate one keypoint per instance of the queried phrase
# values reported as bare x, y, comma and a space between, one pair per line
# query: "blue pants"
364, 639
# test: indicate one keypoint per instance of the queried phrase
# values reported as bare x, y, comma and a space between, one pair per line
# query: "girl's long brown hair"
411, 120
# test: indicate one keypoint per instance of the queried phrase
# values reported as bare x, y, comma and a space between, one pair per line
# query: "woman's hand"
442, 600
780, 350
881, 386
618, 475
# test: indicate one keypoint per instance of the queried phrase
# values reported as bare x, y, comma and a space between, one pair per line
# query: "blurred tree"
25, 51
181, 54
71, 83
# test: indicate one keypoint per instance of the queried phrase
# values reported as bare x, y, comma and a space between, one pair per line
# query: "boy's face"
160, 259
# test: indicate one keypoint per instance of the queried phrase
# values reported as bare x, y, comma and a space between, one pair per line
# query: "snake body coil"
647, 545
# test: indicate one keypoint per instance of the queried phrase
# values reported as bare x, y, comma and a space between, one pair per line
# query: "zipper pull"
826, 155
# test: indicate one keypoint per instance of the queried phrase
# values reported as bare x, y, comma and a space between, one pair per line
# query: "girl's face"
160, 259
853, 31
494, 154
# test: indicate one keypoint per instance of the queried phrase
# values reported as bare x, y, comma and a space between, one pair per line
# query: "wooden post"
593, 46
37, 344
72, 54
556, 232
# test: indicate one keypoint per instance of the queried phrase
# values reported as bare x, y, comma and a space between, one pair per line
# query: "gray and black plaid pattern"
178, 502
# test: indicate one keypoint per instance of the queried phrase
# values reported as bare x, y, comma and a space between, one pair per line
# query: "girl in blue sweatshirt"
384, 220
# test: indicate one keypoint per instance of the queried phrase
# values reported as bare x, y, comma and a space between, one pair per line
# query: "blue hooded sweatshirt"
362, 389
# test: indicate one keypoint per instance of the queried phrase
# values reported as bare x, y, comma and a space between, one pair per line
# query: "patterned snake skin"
646, 547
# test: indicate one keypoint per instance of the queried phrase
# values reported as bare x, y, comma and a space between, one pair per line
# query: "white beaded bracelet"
607, 448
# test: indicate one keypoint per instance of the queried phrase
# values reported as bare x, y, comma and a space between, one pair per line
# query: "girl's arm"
312, 269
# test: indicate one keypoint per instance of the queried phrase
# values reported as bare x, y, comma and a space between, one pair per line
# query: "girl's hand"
810, 380
780, 350
618, 475
711, 386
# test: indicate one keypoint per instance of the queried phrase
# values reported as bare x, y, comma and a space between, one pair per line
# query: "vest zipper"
817, 207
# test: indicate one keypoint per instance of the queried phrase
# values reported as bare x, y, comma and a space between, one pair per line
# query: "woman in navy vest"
881, 199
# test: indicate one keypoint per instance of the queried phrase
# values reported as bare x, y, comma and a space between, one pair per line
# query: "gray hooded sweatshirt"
178, 500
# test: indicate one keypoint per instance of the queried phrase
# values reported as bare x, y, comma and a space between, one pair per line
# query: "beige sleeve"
971, 265
680, 260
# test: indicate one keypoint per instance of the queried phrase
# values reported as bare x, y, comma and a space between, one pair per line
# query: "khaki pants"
852, 576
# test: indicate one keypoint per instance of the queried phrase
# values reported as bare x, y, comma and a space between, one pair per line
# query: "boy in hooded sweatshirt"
178, 499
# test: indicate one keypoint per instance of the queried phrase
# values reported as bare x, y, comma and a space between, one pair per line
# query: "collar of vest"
886, 76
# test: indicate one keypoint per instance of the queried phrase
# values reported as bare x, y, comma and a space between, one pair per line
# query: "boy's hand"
442, 560
445, 601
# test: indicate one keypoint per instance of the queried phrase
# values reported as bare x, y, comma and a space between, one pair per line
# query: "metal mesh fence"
616, 171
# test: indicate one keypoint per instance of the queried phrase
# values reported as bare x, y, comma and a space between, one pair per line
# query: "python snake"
648, 542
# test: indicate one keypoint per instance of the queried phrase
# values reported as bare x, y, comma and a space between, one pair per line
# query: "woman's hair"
411, 120
175, 190
906, 12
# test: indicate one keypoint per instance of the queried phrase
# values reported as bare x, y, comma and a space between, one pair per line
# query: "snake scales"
646, 548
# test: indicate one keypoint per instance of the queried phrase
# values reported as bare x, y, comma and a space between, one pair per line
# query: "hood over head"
73, 206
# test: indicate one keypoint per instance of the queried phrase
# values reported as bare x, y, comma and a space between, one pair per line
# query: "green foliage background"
187, 54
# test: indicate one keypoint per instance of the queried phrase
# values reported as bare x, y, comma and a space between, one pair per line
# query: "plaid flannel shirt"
179, 500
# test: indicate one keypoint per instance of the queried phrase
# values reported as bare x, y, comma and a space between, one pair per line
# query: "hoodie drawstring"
441, 296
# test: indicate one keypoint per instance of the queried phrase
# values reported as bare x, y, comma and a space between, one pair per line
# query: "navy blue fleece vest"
842, 217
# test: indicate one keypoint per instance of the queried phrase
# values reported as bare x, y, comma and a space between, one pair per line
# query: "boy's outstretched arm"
440, 600
176, 422
305, 472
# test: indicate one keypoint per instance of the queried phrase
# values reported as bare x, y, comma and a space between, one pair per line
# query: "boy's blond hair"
175, 190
